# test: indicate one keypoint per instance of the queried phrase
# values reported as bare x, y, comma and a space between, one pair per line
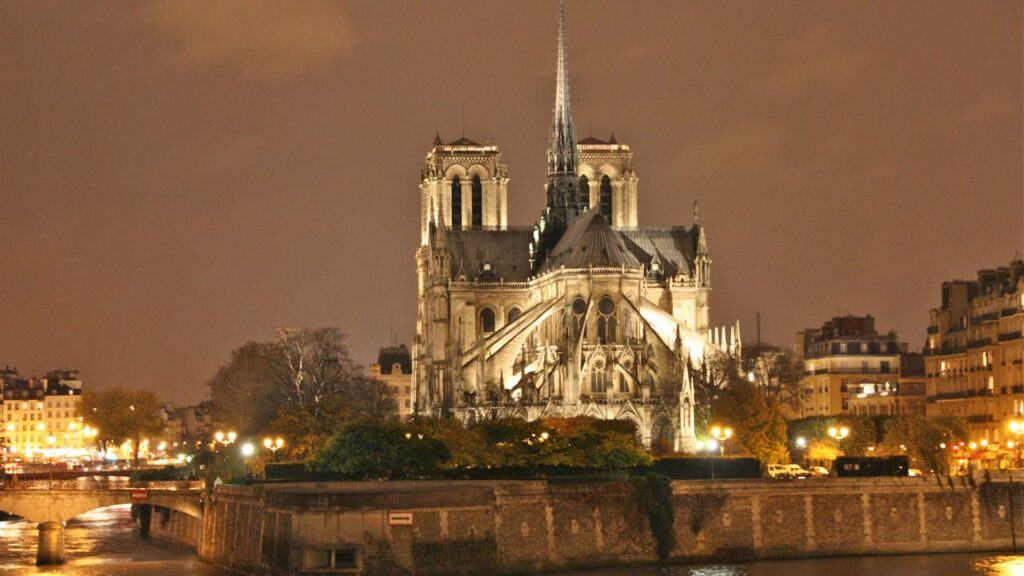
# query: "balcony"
982, 318
981, 418
1009, 336
1010, 311
980, 342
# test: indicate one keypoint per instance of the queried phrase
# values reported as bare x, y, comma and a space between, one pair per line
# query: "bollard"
51, 544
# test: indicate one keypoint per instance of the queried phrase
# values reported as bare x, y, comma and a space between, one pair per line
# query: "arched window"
456, 203
478, 203
606, 321
585, 191
579, 308
514, 314
606, 197
487, 321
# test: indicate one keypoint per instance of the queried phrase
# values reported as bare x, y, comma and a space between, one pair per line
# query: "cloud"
265, 40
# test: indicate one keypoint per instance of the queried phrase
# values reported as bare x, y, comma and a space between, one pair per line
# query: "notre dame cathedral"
584, 313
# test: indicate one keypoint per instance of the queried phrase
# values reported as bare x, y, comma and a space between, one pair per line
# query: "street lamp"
838, 433
273, 444
1017, 429
721, 434
248, 449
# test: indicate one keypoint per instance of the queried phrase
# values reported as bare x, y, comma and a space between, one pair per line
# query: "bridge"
51, 503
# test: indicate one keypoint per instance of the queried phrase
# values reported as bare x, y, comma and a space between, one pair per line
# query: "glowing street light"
801, 442
248, 449
838, 433
721, 434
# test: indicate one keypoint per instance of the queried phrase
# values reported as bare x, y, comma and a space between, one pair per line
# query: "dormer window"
486, 266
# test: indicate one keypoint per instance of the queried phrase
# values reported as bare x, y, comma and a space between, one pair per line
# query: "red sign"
138, 494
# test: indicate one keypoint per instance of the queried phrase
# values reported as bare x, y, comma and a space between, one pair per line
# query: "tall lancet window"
606, 197
456, 203
606, 321
585, 191
478, 203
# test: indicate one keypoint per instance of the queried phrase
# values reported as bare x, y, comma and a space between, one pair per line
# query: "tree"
120, 415
302, 385
757, 421
369, 398
710, 379
245, 389
371, 450
776, 373
313, 367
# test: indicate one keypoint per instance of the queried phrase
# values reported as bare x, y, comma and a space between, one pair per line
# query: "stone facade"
39, 416
849, 369
584, 313
394, 369
974, 355
525, 527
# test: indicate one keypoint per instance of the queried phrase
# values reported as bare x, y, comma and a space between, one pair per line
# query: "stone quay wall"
175, 527
494, 528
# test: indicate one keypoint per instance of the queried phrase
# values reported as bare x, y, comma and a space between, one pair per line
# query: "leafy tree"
757, 421
120, 415
368, 449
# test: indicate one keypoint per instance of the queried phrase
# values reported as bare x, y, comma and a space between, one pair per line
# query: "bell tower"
464, 185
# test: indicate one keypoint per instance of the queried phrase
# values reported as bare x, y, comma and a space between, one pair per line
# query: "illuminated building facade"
849, 369
974, 351
394, 369
584, 313
40, 416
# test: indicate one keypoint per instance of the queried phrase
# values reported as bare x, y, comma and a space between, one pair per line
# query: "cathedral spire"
562, 185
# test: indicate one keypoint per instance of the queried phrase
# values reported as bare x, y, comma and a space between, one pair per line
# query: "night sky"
179, 177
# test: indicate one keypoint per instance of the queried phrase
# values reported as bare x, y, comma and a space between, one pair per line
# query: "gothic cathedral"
584, 313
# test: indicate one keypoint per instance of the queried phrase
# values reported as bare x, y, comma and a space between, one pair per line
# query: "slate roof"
592, 140
391, 355
590, 241
507, 251
672, 247
463, 142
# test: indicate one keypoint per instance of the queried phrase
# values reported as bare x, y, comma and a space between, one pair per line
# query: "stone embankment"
493, 528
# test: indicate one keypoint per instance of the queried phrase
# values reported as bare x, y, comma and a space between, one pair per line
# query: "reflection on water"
99, 543
933, 565
103, 543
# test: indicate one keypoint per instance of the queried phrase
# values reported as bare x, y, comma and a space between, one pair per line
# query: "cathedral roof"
490, 255
590, 241
663, 251
592, 140
463, 142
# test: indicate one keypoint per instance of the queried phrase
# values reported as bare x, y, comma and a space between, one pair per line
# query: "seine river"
102, 543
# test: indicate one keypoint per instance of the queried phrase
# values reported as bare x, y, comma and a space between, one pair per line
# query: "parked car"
818, 471
786, 471
914, 472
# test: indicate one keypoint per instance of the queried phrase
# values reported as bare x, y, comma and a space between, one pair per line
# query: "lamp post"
1017, 429
721, 434
838, 433
273, 444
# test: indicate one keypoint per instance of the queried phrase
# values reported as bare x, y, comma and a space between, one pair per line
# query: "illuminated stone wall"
518, 527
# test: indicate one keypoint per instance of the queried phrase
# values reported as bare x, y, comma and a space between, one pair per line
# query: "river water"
104, 543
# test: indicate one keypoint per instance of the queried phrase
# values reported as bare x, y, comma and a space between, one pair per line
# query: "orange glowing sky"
179, 177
